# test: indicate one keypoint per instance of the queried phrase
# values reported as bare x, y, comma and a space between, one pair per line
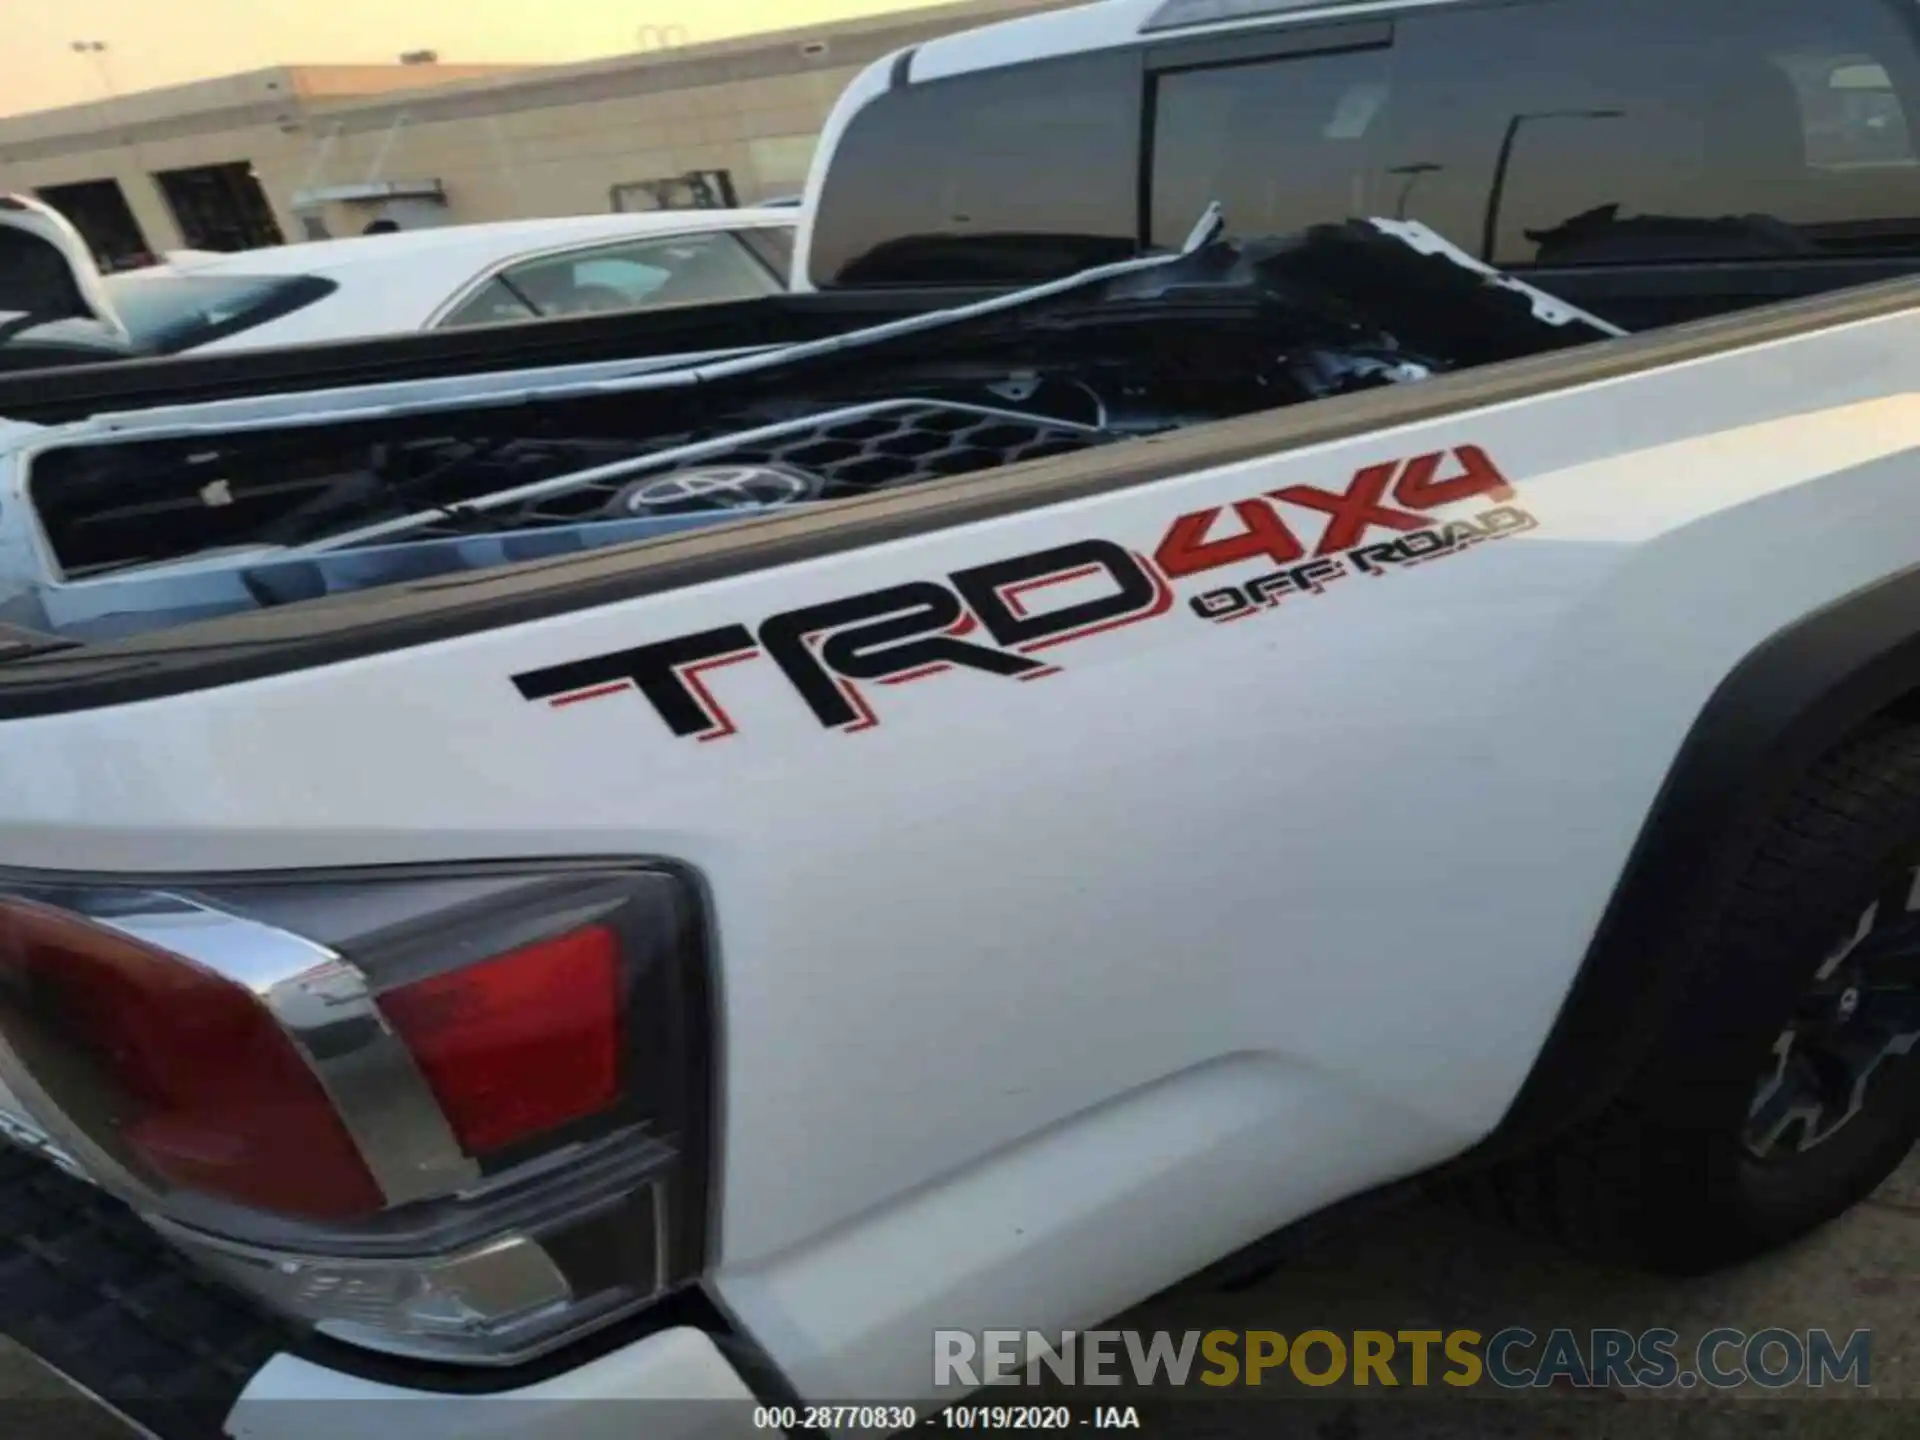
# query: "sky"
165, 42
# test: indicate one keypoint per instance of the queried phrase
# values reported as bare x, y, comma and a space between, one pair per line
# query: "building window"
220, 207
98, 209
695, 190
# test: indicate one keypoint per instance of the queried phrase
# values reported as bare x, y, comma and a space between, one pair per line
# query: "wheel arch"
1797, 695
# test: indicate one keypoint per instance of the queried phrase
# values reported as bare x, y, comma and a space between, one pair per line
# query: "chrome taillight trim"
324, 1006
376, 1087
17, 1130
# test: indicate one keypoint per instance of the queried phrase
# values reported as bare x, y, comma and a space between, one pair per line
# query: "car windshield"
166, 312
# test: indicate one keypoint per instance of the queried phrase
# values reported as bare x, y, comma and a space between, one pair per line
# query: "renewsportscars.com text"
1514, 1358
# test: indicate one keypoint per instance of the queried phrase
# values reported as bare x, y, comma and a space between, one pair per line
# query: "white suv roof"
1113, 23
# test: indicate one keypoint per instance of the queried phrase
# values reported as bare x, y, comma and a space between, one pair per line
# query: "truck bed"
138, 523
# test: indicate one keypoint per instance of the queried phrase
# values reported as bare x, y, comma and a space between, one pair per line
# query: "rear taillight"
430, 1113
522, 1044
191, 1072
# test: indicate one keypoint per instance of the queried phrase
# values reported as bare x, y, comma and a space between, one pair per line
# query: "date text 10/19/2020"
891, 1419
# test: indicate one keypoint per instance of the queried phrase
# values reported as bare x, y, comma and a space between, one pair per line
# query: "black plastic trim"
1758, 280
237, 648
1792, 699
1143, 160
1636, 296
62, 394
901, 74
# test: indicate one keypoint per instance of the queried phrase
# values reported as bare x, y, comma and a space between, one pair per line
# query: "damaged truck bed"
536, 872
124, 525
553, 1002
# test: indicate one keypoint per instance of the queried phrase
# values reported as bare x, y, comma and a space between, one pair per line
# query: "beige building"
307, 151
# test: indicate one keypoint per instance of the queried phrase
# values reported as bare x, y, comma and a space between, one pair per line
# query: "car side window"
1590, 132
492, 304
1280, 143
772, 245
695, 269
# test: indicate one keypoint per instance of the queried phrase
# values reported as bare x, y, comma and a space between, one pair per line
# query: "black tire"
1681, 1174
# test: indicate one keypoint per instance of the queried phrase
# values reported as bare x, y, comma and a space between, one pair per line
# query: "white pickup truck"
677, 877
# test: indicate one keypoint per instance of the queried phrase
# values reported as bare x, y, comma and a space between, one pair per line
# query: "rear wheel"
1786, 1088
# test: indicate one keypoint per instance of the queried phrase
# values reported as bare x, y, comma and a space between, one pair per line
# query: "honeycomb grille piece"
852, 451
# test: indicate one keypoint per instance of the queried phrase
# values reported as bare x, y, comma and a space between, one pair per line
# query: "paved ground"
35, 1404
1428, 1267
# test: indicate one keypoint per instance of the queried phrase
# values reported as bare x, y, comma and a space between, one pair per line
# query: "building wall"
134, 164
544, 141
566, 159
254, 116
354, 82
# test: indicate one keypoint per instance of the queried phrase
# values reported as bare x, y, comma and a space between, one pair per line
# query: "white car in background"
444, 277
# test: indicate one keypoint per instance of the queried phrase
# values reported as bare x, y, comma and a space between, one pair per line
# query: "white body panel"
1216, 925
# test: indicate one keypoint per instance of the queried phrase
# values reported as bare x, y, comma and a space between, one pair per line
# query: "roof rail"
1189, 14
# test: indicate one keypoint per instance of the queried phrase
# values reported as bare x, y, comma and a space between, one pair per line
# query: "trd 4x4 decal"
993, 618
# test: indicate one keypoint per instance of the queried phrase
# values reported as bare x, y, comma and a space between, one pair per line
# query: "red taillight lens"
202, 1084
519, 1044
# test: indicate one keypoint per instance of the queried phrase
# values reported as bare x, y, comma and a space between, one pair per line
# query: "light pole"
660, 37
96, 51
1497, 190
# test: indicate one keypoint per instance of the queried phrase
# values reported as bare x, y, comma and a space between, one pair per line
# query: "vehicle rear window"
1003, 177
1281, 143
1589, 132
166, 313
